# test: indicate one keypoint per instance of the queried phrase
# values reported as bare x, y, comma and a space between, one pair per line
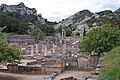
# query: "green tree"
68, 32
101, 40
14, 22
9, 53
48, 30
1, 32
37, 34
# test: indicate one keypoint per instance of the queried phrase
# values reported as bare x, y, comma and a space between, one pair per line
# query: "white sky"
56, 10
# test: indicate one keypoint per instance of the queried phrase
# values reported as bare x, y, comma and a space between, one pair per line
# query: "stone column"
42, 48
32, 50
64, 46
21, 47
36, 48
53, 50
45, 50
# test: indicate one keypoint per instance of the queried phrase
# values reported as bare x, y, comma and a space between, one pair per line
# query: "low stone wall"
93, 60
82, 60
15, 68
3, 70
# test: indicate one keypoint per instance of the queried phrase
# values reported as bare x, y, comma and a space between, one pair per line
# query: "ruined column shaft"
53, 50
32, 50
36, 48
45, 52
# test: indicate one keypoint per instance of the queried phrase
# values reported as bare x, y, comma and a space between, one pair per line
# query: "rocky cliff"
77, 22
22, 20
86, 20
23, 10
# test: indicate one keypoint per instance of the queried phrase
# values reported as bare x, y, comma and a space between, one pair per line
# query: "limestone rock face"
23, 10
84, 21
20, 8
117, 11
76, 22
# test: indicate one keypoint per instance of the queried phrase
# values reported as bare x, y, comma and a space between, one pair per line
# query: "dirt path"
10, 76
65, 74
76, 74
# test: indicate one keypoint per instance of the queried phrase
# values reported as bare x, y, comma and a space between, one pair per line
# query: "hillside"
86, 20
20, 19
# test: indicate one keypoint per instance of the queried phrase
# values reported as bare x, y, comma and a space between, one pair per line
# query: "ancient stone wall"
15, 68
81, 60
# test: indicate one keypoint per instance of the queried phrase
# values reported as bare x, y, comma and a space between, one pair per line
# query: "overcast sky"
56, 10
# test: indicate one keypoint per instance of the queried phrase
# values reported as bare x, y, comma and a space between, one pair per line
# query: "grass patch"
111, 69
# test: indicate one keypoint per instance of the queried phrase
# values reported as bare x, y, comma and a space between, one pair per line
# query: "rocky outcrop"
76, 22
86, 20
20, 8
117, 11
23, 10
